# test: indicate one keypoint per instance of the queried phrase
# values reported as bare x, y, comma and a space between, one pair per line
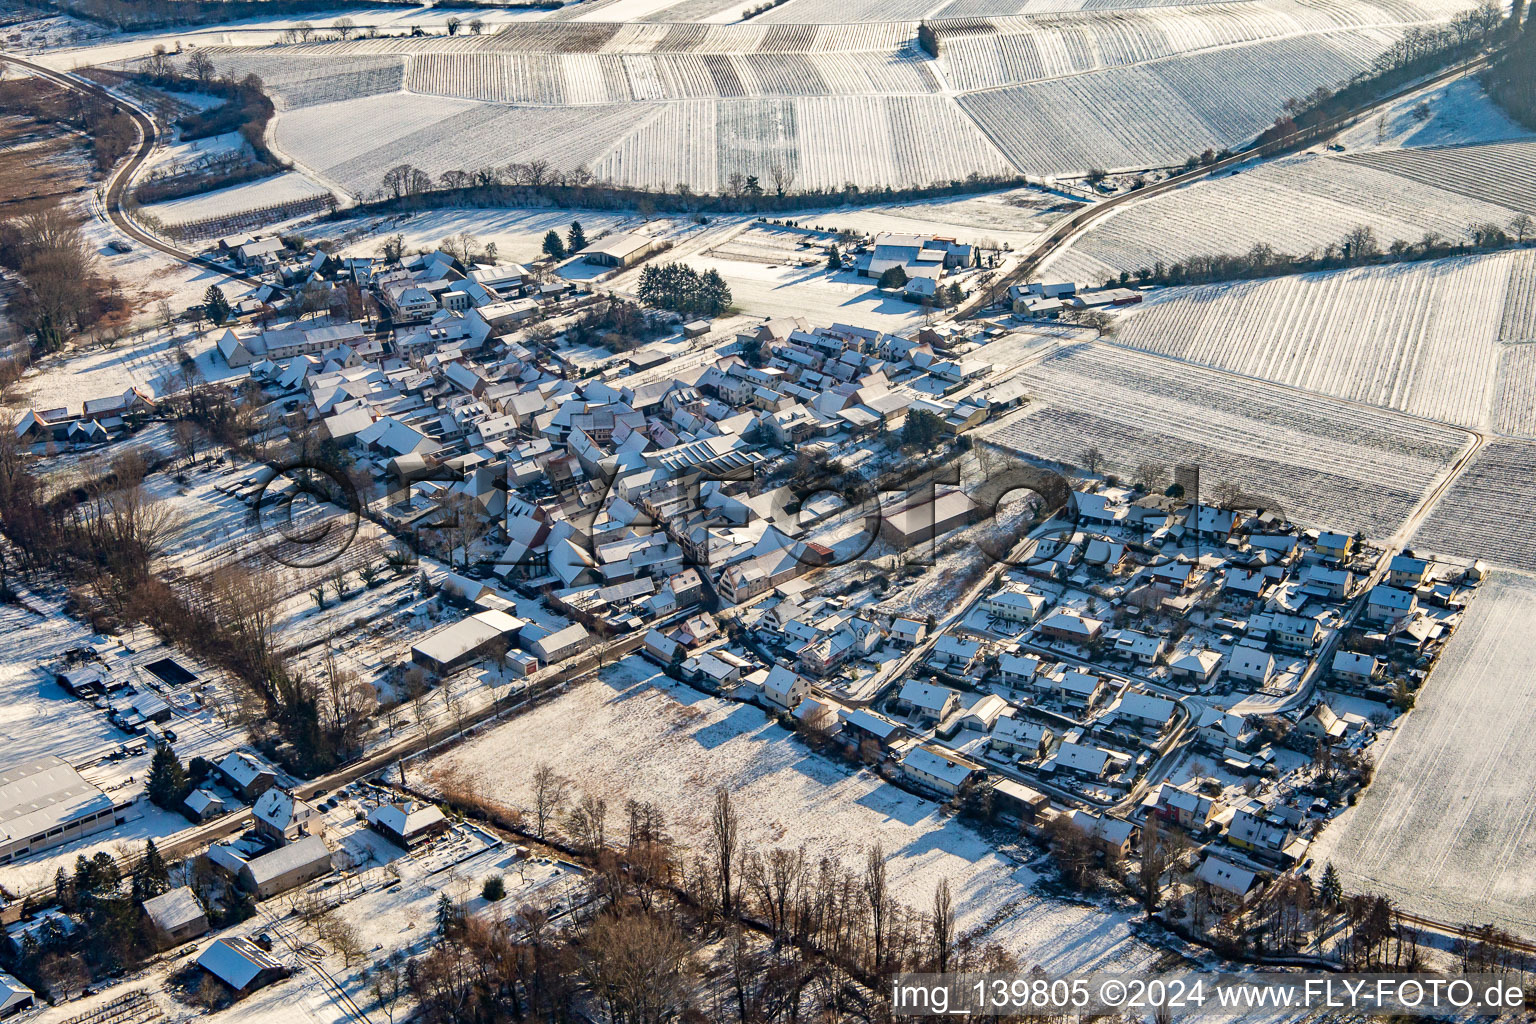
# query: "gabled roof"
237, 961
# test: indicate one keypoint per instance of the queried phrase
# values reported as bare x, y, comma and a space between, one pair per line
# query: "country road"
122, 176
1079, 223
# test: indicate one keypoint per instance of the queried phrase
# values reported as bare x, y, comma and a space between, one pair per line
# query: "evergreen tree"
553, 247
753, 187
447, 914
1330, 891
893, 277
922, 428
151, 877
167, 785
834, 260
576, 238
64, 889
215, 305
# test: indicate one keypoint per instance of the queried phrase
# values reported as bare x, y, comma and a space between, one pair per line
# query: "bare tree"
344, 27
549, 792
1092, 458
942, 924
724, 830
783, 177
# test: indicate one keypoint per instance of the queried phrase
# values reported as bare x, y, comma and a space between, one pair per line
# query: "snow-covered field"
1296, 205
517, 233
261, 194
1422, 338
1158, 113
1447, 827
1326, 463
1459, 113
1481, 516
635, 733
1497, 172
655, 105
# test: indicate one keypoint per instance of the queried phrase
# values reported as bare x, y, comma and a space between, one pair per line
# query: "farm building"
45, 803
464, 641
623, 250
14, 996
922, 521
241, 964
407, 823
176, 916
267, 872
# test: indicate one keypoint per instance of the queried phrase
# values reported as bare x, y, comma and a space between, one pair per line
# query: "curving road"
122, 176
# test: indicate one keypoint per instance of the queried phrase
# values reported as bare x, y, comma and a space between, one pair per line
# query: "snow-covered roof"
1225, 875
406, 818
237, 961
175, 909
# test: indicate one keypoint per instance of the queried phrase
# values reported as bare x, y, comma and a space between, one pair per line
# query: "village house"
283, 818
1250, 665
930, 769
408, 823
1114, 836
1322, 724
785, 688
1390, 604
1068, 627
926, 701
175, 917
1198, 666
248, 776
1013, 736
1354, 667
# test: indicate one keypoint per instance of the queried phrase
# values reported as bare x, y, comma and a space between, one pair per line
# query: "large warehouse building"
45, 803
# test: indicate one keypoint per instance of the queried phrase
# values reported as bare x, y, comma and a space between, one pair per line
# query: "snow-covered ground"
1459, 113
1447, 827
634, 733
287, 187
517, 233
1423, 338
1325, 462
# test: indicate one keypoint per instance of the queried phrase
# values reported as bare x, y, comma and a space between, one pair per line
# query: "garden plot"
1498, 172
1297, 205
1422, 337
227, 202
1484, 514
634, 733
1156, 114
1447, 828
1324, 462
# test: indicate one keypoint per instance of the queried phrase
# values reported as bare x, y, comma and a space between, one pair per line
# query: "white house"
785, 687
1250, 664
1354, 667
1390, 604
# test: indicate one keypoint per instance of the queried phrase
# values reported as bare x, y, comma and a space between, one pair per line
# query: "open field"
1483, 515
1296, 205
988, 53
635, 733
1515, 408
1447, 828
1422, 338
1460, 113
1326, 463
